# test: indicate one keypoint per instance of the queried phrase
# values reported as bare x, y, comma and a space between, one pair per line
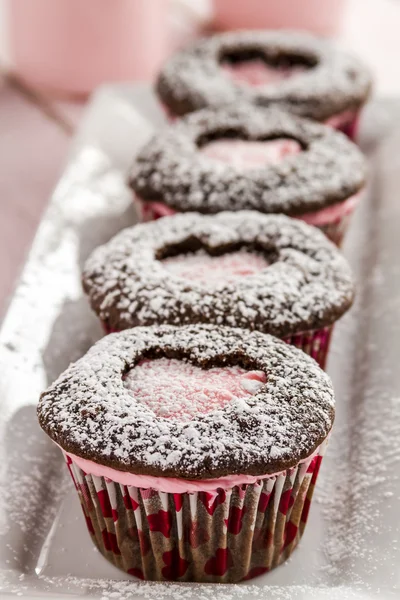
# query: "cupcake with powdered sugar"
244, 269
194, 450
304, 74
249, 158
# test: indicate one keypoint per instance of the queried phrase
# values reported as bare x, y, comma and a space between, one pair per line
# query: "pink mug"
319, 16
71, 46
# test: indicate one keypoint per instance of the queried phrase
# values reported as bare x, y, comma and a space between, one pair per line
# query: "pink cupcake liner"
315, 342
333, 221
336, 230
347, 123
151, 211
218, 537
351, 127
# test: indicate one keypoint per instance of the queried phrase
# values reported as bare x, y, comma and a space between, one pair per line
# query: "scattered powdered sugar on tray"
358, 489
367, 478
25, 472
107, 589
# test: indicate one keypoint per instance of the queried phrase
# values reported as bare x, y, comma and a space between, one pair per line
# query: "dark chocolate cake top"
172, 169
306, 283
89, 411
330, 82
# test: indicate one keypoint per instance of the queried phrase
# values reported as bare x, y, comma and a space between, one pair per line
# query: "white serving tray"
351, 547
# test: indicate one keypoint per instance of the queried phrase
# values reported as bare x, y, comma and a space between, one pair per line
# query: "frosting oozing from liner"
247, 154
172, 485
213, 271
174, 389
257, 72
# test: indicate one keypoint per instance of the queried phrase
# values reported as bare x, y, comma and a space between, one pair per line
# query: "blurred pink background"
323, 17
72, 46
68, 47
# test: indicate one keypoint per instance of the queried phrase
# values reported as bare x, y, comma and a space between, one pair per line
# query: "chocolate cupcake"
248, 158
306, 75
244, 269
194, 450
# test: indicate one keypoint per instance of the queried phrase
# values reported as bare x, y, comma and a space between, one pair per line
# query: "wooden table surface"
35, 132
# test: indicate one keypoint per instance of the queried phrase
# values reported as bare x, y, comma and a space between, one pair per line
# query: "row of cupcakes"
194, 432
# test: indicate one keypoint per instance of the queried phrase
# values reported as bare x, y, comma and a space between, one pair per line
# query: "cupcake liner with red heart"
219, 537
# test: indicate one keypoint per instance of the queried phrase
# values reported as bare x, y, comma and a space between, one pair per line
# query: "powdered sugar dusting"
308, 284
90, 412
214, 270
175, 389
335, 81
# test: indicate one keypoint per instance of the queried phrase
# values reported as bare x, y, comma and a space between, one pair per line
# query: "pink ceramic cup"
71, 46
320, 16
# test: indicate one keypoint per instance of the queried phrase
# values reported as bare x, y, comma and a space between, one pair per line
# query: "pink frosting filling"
246, 154
174, 389
213, 270
257, 72
171, 485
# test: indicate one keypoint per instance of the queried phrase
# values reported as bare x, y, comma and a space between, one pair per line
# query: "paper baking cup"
222, 537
